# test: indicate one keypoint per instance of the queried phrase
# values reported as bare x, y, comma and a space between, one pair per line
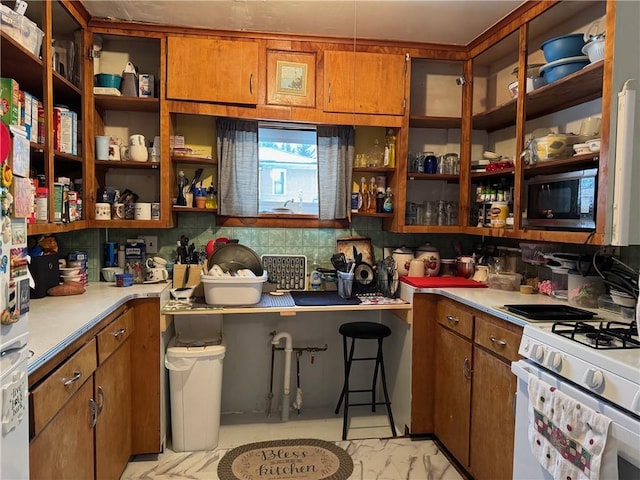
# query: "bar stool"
363, 331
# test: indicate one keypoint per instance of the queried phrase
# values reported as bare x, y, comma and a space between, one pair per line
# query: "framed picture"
291, 78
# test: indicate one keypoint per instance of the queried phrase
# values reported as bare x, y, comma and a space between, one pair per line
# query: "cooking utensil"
339, 262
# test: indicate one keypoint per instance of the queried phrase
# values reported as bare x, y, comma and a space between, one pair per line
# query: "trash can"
195, 384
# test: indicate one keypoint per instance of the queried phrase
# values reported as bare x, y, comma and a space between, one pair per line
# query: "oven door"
624, 431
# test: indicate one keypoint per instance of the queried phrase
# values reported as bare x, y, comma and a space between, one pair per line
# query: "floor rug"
300, 459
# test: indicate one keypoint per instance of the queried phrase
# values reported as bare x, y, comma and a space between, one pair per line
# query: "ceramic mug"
137, 140
102, 147
138, 153
118, 211
416, 268
114, 150
142, 211
103, 211
157, 274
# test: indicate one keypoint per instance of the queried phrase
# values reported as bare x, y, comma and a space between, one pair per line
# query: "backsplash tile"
320, 243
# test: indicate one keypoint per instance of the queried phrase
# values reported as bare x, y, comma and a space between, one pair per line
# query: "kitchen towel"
568, 438
441, 282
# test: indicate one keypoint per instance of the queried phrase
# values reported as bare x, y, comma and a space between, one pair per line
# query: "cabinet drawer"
498, 339
114, 335
49, 397
455, 317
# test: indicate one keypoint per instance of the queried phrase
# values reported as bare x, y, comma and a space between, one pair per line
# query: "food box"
226, 291
145, 85
10, 101
134, 259
21, 29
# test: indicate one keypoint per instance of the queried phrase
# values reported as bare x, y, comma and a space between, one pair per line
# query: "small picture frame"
291, 78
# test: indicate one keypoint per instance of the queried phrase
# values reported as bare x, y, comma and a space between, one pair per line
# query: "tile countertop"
55, 322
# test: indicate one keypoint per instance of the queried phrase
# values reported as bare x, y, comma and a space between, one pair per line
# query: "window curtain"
336, 151
237, 147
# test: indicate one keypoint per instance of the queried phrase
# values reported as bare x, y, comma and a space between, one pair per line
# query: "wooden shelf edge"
135, 104
49, 228
194, 209
194, 160
126, 164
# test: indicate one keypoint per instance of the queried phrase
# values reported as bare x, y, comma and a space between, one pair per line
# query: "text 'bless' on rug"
300, 459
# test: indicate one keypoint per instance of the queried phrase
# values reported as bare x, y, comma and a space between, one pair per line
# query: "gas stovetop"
612, 373
609, 335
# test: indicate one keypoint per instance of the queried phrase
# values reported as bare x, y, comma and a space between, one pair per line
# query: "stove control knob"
554, 360
537, 353
593, 378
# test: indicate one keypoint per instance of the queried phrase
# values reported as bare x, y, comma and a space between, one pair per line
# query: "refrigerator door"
14, 392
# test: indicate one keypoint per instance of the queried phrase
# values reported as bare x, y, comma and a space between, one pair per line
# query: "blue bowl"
561, 68
563, 47
107, 80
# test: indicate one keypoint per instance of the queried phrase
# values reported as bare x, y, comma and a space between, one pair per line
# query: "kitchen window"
286, 170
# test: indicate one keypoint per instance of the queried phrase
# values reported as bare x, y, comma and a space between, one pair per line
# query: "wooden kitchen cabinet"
51, 85
212, 70
493, 391
112, 380
63, 412
120, 117
110, 409
453, 364
363, 82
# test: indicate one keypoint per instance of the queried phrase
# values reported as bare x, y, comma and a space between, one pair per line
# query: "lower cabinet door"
113, 429
492, 417
453, 393
64, 448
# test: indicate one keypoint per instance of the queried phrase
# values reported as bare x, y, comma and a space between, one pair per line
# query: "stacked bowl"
564, 56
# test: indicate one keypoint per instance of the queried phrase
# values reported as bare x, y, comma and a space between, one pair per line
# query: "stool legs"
344, 395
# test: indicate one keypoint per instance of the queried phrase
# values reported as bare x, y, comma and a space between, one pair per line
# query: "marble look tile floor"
375, 456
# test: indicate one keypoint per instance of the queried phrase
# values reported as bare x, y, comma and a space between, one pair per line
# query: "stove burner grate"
610, 335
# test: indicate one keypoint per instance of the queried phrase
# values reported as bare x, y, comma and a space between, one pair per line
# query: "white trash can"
195, 384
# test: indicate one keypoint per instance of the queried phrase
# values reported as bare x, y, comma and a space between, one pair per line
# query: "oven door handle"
522, 369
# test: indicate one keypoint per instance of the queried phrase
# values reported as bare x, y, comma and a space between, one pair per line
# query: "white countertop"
55, 322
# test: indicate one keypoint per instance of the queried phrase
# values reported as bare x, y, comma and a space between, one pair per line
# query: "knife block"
180, 278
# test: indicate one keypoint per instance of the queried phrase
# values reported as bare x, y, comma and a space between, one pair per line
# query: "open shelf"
589, 160
17, 62
433, 176
574, 89
126, 164
193, 160
418, 121
126, 104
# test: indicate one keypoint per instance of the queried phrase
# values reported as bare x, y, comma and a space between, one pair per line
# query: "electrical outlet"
151, 243
610, 250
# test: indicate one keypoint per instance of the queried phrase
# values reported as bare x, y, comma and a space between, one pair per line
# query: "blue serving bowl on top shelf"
561, 68
107, 80
563, 47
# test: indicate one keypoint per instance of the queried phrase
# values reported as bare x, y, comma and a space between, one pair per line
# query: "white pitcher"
137, 140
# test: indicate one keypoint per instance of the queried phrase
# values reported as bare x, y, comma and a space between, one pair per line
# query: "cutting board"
441, 282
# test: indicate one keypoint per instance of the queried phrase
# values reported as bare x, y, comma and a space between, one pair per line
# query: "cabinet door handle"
101, 397
493, 339
94, 413
453, 319
466, 368
77, 375
329, 99
251, 84
119, 333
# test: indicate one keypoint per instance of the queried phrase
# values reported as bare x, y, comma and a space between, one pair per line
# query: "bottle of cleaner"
387, 206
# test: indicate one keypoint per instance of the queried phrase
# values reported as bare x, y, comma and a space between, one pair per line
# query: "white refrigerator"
14, 352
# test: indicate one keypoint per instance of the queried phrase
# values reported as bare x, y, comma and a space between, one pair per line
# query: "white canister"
103, 211
431, 259
142, 211
403, 257
416, 268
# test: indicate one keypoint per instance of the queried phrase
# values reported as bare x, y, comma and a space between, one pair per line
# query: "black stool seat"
363, 331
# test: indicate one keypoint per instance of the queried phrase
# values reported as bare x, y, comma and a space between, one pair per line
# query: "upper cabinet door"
360, 82
211, 70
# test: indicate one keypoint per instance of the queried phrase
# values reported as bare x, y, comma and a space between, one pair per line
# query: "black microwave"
564, 201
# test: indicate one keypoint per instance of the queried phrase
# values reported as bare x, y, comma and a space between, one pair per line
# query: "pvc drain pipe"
288, 348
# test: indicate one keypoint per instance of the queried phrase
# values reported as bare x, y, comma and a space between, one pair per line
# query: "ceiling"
424, 21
